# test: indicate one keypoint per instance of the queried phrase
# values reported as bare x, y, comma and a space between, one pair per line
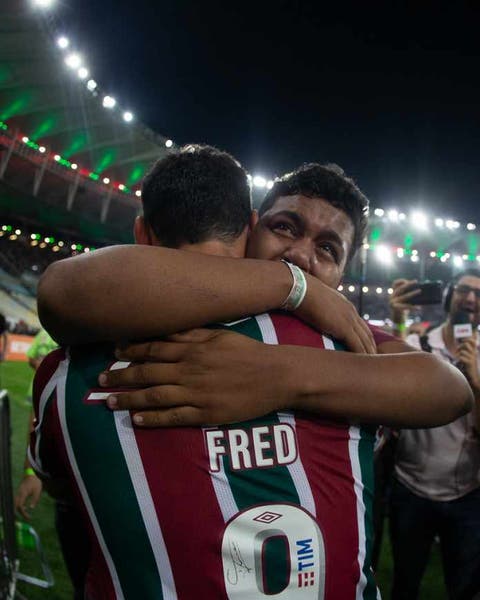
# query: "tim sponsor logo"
305, 563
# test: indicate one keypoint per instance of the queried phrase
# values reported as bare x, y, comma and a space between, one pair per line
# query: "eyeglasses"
464, 290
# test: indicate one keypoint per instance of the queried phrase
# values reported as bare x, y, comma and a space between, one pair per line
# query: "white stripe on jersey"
81, 486
48, 390
353, 450
297, 471
328, 343
267, 329
131, 453
223, 491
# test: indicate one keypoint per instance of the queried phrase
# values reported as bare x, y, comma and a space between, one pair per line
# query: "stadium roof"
58, 142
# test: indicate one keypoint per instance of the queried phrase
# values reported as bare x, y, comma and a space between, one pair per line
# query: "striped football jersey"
278, 506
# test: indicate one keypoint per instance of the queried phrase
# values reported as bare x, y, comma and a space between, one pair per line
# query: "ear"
142, 233
253, 219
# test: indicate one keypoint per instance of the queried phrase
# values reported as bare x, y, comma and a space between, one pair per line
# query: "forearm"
375, 389
137, 292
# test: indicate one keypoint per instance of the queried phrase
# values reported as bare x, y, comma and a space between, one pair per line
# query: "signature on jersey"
239, 567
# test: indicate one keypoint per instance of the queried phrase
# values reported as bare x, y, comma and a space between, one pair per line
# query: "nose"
300, 254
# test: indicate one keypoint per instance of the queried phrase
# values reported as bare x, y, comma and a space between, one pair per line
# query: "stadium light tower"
43, 3
419, 220
109, 102
384, 255
73, 61
63, 42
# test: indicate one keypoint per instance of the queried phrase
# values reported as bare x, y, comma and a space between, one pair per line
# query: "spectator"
436, 490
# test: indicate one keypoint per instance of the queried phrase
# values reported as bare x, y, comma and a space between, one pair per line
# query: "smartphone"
431, 292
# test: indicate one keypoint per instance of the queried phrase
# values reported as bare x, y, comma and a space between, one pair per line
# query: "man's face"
464, 298
308, 232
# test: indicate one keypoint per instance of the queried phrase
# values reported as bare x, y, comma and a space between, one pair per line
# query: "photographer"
436, 490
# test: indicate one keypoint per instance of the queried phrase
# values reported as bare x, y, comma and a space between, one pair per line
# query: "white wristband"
299, 288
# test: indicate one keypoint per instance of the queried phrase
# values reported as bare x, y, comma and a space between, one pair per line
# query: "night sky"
389, 91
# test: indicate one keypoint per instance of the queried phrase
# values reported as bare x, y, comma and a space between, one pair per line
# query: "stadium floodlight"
57, 157
419, 220
106, 180
82, 73
433, 254
379, 290
365, 289
86, 249
25, 139
439, 222
73, 61
44, 3
127, 116
383, 254
109, 102
270, 184
379, 212
456, 224
340, 288
366, 316
259, 181
42, 149
63, 42
138, 193
402, 217
351, 288
449, 224
393, 215
390, 291
61, 244
458, 261
91, 84
121, 187
400, 252
414, 258
18, 232
471, 226
74, 166
169, 143
465, 256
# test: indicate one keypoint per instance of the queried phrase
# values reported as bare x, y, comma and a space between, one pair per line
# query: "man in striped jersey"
277, 505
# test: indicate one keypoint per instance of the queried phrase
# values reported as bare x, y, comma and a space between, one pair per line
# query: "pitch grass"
15, 377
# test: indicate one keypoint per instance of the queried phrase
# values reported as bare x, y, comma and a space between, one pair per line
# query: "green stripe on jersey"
365, 454
93, 434
269, 485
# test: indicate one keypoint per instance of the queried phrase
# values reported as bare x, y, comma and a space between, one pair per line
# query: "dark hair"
196, 194
448, 291
330, 183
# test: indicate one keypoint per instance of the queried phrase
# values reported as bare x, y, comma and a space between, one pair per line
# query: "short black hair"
330, 183
196, 194
449, 289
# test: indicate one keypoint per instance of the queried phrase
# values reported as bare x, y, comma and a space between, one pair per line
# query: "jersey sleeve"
381, 336
44, 439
